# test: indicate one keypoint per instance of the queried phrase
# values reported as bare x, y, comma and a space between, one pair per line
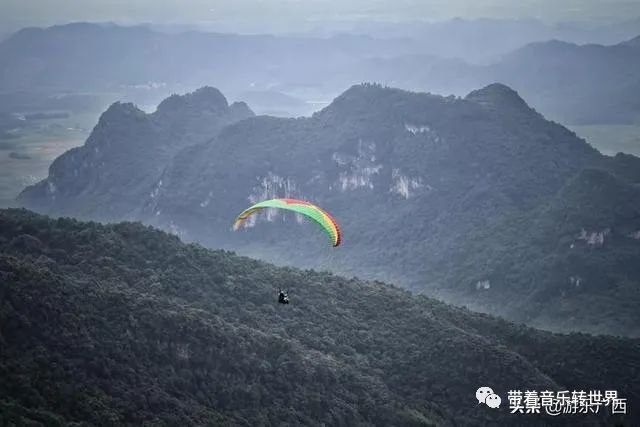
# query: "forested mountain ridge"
415, 179
122, 324
434, 193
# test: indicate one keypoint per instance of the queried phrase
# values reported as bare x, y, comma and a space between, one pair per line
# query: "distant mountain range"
125, 325
571, 83
482, 40
479, 200
577, 84
95, 57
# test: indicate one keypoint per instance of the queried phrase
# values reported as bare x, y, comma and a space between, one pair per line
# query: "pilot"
283, 298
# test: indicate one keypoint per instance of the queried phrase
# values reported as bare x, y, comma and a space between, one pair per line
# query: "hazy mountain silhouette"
85, 56
572, 83
483, 40
577, 84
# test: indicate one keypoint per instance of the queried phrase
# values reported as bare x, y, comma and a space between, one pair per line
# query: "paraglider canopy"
307, 209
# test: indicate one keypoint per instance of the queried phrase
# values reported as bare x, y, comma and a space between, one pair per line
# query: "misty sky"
296, 15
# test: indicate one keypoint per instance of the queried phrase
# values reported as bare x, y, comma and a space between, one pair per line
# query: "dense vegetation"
123, 324
572, 261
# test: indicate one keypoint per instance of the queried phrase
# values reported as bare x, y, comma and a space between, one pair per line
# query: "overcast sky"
296, 15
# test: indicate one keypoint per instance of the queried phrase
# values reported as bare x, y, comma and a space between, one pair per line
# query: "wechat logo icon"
488, 397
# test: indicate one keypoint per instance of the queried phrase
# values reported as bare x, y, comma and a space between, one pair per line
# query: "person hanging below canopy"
283, 297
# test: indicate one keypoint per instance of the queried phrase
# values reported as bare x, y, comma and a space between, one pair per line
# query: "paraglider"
326, 221
309, 210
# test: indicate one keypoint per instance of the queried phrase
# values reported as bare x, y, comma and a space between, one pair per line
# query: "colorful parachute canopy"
307, 209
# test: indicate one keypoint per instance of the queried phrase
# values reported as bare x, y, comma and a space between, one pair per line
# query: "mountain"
412, 178
89, 63
417, 72
94, 57
633, 43
576, 84
573, 84
134, 327
480, 41
127, 151
437, 194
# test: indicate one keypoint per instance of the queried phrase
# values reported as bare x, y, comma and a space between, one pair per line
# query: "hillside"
127, 151
127, 325
570, 261
424, 187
